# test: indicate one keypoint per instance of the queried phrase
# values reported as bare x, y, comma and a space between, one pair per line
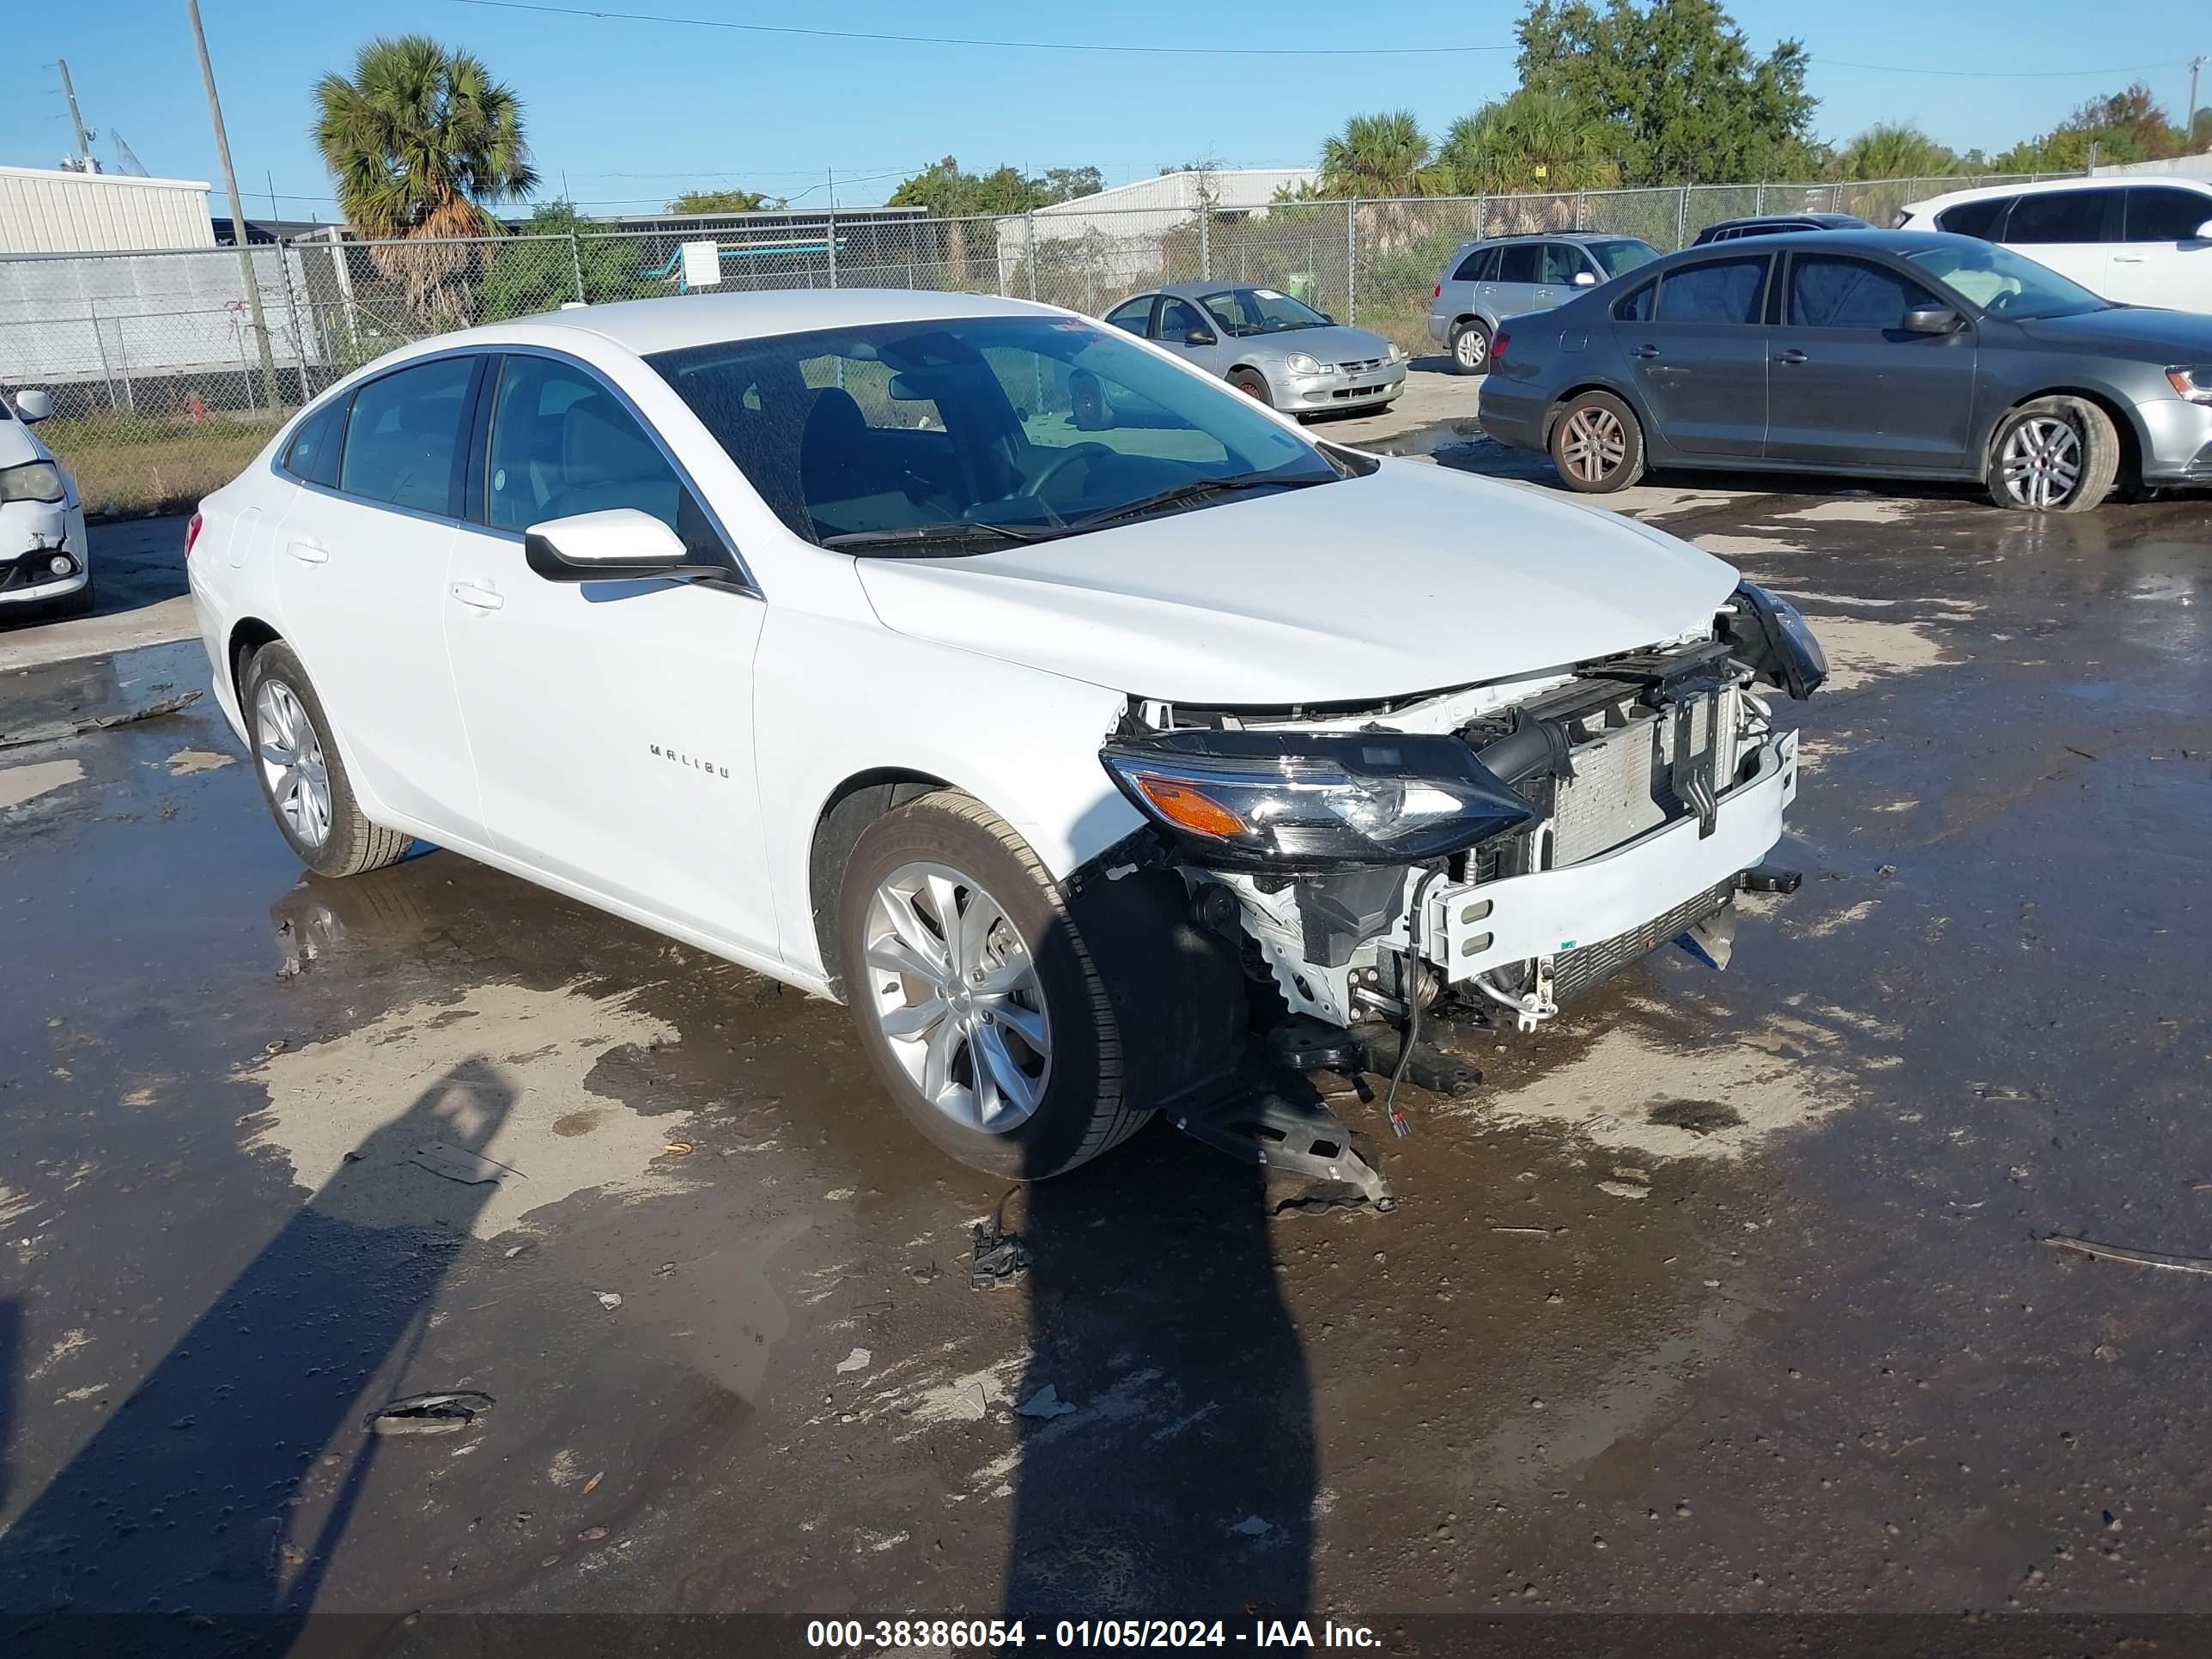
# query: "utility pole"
84, 151
2188, 121
237, 212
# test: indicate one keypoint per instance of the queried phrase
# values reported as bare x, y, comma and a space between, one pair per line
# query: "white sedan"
45, 569
811, 629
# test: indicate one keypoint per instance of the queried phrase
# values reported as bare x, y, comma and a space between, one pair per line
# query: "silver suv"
1488, 280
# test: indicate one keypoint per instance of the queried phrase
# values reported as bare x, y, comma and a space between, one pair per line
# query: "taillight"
1497, 347
191, 534
1440, 294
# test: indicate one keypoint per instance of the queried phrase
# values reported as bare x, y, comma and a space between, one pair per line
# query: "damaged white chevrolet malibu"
814, 630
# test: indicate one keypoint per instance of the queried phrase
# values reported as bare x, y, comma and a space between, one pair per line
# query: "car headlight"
1769, 633
1299, 362
1399, 354
2194, 384
1314, 800
34, 481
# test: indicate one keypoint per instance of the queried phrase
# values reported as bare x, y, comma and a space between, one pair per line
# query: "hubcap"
1473, 348
2042, 461
292, 762
954, 989
1595, 444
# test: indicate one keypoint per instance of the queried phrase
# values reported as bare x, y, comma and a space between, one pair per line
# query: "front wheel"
1252, 383
2054, 455
1470, 346
1597, 444
975, 997
303, 777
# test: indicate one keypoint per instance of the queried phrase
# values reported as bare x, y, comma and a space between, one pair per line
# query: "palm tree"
1377, 155
1894, 149
419, 142
1531, 141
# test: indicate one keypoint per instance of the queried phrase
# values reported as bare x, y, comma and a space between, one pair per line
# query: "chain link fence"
167, 376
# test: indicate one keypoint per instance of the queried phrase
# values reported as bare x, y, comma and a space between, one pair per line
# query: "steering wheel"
1060, 463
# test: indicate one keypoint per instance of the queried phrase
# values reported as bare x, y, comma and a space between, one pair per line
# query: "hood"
2171, 337
1410, 580
1336, 343
18, 444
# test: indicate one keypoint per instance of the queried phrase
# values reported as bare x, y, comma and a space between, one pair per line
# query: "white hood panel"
1413, 580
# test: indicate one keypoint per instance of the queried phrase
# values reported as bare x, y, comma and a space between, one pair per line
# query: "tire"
349, 844
947, 846
1252, 383
1086, 399
1470, 346
2053, 455
1597, 444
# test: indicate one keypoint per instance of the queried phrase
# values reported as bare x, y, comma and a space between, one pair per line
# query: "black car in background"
1883, 353
1776, 224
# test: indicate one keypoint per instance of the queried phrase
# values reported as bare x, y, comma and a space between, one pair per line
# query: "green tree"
1679, 91
421, 142
718, 201
1378, 155
527, 275
1530, 141
1065, 183
1893, 150
2126, 126
950, 193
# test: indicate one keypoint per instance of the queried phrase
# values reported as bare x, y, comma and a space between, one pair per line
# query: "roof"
1233, 189
1583, 236
109, 180
1835, 221
1201, 289
2037, 187
671, 323
1827, 242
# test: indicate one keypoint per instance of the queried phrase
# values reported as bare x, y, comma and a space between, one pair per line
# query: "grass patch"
126, 465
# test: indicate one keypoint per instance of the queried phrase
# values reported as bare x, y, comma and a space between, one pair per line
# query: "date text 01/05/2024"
992, 1633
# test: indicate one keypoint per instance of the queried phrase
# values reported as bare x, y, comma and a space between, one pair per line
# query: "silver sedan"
1266, 344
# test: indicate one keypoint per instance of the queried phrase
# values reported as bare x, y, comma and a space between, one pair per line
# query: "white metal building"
1123, 226
52, 210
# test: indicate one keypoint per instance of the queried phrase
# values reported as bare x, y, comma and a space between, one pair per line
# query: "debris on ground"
609, 1300
591, 1485
59, 729
2179, 1264
459, 1164
997, 1257
1045, 1402
1625, 1188
678, 1149
445, 1413
858, 1360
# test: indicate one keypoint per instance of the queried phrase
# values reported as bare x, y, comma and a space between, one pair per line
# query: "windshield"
960, 434
2003, 282
1617, 258
1243, 311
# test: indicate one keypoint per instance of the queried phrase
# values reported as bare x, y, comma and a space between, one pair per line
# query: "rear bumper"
1510, 414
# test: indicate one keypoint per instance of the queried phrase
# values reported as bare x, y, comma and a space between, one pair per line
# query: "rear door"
2160, 260
1697, 351
360, 577
1457, 299
1849, 387
2071, 231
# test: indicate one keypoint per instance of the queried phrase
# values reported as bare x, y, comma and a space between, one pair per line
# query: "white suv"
2138, 243
814, 630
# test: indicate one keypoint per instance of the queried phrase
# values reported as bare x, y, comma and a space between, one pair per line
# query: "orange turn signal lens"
1189, 808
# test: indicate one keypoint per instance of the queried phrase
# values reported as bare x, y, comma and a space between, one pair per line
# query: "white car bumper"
33, 534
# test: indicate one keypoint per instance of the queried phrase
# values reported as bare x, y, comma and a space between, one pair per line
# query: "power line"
1995, 75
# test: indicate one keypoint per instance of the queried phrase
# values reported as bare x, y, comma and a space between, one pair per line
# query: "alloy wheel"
1473, 346
1595, 444
955, 992
2041, 464
292, 762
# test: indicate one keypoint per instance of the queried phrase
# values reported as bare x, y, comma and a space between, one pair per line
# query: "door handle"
478, 596
308, 552
2127, 259
1646, 351
1792, 356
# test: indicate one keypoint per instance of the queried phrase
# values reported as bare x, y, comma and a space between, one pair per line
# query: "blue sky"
631, 112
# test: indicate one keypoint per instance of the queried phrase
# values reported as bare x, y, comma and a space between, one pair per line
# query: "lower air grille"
1577, 973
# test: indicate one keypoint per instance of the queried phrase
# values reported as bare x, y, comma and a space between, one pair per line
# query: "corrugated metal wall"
51, 211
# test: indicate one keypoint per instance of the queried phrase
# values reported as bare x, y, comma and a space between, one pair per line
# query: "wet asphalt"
1725, 1294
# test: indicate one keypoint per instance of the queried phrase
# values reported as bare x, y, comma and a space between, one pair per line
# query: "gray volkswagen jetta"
1901, 354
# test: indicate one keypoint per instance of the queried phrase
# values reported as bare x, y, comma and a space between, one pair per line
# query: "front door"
612, 720
1179, 318
360, 575
1849, 386
1697, 348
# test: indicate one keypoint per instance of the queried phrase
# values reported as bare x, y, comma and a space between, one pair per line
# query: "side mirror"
33, 406
1586, 279
1198, 336
2202, 232
618, 545
1929, 319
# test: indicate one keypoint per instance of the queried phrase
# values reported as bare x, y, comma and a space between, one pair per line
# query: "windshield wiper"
1197, 489
951, 534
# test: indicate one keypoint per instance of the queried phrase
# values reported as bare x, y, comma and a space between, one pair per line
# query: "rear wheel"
975, 997
1252, 383
2054, 455
1597, 445
302, 776
1470, 346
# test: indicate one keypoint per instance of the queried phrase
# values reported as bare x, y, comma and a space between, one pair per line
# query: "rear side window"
1832, 293
2062, 215
1719, 291
1636, 307
1478, 267
312, 454
1517, 263
2160, 213
1975, 218
403, 444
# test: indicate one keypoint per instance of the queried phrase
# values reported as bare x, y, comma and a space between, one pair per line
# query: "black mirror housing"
1930, 319
1198, 336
